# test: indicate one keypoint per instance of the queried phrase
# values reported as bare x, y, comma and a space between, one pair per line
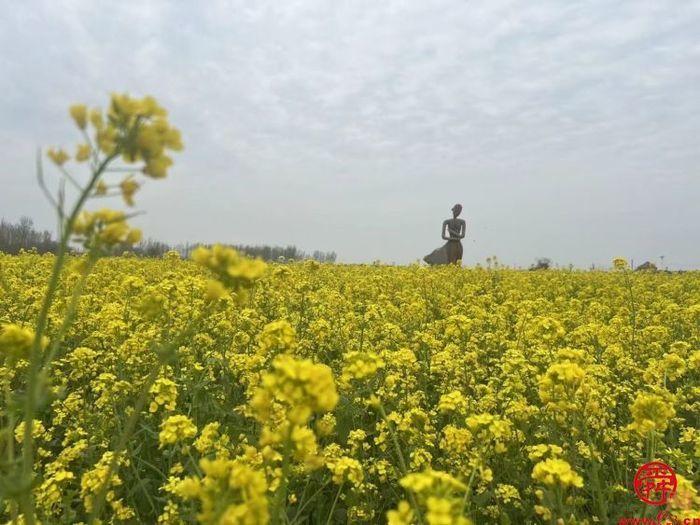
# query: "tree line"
22, 235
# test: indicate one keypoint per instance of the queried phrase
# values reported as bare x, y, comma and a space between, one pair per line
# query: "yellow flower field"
223, 390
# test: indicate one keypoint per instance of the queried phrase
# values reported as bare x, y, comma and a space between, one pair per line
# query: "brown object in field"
647, 266
451, 252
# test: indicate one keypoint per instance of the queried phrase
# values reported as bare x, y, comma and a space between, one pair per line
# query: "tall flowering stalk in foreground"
136, 131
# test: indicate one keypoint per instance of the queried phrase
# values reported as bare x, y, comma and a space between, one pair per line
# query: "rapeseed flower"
176, 429
652, 411
16, 341
556, 472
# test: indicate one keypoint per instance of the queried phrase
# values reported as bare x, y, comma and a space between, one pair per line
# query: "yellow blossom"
176, 429
556, 472
128, 188
79, 114
58, 156
82, 152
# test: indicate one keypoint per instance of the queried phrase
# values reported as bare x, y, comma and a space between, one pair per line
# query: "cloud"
354, 126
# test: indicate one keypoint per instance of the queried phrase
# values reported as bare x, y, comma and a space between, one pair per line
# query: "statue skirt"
449, 253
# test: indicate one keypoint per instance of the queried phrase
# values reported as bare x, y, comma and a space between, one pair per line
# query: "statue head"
456, 210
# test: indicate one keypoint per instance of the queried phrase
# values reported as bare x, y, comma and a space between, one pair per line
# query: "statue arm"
442, 231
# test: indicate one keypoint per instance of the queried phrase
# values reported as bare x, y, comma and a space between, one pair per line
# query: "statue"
451, 252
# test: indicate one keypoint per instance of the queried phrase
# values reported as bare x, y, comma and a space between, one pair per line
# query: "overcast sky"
566, 129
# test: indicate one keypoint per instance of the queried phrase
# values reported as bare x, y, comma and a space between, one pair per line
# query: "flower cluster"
136, 129
16, 341
231, 269
104, 227
230, 492
556, 472
164, 395
176, 429
438, 494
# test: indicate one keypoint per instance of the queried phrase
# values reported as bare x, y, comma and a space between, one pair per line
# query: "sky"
567, 130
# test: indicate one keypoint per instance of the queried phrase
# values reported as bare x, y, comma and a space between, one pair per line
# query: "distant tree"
542, 263
23, 236
646, 266
264, 252
324, 257
151, 248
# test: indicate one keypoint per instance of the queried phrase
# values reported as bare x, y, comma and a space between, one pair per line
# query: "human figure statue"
453, 230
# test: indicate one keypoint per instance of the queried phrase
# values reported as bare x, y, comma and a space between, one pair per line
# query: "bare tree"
23, 236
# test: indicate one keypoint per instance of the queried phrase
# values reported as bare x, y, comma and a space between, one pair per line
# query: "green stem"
467, 493
600, 497
143, 488
335, 501
10, 439
633, 311
280, 501
560, 504
311, 498
194, 463
402, 462
121, 444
